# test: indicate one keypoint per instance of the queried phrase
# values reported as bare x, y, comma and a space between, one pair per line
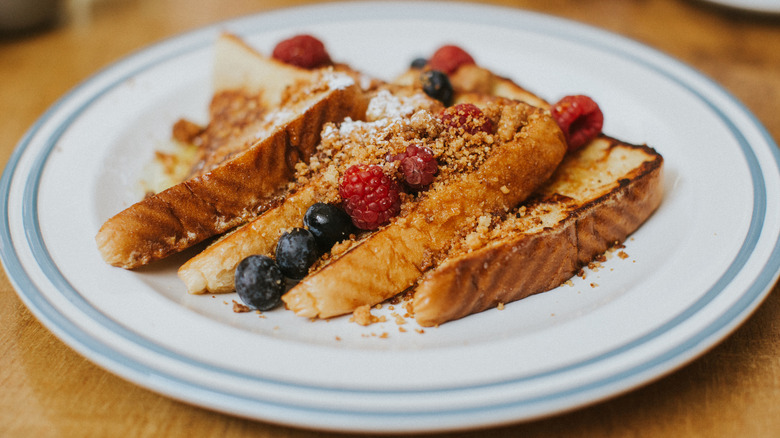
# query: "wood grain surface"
46, 389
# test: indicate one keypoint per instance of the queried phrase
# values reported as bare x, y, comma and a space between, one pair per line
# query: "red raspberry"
467, 116
448, 58
303, 51
370, 197
580, 119
418, 166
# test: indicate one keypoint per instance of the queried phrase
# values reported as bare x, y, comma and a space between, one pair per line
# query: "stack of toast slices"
256, 135
513, 214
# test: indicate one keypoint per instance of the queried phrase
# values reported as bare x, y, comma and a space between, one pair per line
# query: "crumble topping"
362, 315
393, 122
240, 308
237, 117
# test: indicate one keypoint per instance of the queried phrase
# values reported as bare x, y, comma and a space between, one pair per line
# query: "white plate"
759, 6
696, 270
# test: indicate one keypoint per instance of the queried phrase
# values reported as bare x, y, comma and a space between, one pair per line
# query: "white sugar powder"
385, 105
338, 81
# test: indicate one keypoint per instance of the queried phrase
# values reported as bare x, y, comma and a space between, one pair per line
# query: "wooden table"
46, 389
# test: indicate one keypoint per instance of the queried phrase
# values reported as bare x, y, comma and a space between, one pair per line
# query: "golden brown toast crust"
237, 66
229, 194
213, 270
535, 259
392, 259
246, 85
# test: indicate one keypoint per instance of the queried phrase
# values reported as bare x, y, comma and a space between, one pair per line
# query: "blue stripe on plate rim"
175, 386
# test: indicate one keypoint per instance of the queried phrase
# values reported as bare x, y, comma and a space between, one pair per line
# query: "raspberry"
448, 58
370, 197
303, 51
417, 165
580, 119
468, 117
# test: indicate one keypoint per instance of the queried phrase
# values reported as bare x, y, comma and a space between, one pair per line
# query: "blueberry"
419, 63
437, 85
259, 282
295, 252
329, 224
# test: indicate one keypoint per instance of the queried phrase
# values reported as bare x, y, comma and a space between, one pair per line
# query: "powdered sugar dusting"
348, 126
337, 81
384, 109
385, 105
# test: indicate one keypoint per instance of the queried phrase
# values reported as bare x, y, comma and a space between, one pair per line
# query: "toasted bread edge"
521, 265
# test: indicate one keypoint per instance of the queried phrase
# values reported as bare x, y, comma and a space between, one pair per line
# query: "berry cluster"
371, 197
261, 281
578, 116
435, 71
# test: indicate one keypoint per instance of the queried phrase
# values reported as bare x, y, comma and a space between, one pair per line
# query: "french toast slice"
213, 269
247, 86
239, 66
236, 188
526, 150
599, 195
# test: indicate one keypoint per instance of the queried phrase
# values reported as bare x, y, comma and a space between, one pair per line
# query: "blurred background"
64, 41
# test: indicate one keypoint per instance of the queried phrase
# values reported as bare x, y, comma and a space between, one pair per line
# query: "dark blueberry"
295, 252
437, 85
259, 282
419, 63
329, 224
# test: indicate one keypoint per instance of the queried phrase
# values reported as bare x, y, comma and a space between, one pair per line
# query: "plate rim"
751, 6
